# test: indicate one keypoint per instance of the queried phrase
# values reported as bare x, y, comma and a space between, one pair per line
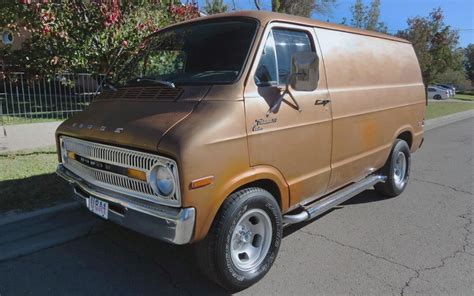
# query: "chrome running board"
318, 207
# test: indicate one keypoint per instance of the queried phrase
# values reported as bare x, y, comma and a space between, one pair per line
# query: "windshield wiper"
167, 83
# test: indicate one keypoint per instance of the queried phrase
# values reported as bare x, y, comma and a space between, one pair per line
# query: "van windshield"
198, 53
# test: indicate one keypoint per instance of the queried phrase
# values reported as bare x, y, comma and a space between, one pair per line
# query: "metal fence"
25, 98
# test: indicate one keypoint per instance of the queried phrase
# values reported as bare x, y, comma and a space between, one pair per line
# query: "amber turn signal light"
136, 174
71, 155
201, 182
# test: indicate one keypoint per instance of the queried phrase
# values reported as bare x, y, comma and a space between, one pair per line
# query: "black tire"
214, 252
395, 185
437, 97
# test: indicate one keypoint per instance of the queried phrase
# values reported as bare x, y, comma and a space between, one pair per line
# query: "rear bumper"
173, 225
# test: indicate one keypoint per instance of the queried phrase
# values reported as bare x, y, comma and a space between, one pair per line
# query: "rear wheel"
397, 170
437, 97
243, 241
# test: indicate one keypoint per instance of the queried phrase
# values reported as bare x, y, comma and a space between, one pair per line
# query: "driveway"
417, 243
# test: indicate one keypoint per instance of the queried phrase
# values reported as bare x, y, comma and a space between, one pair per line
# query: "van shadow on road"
367, 196
151, 267
110, 260
116, 261
33, 192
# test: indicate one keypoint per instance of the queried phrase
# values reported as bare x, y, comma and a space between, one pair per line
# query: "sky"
459, 14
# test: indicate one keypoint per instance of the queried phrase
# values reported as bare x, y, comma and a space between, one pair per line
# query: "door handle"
322, 102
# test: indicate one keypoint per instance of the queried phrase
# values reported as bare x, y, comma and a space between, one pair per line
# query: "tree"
215, 6
367, 16
469, 61
373, 16
358, 14
300, 7
455, 74
84, 36
435, 45
453, 77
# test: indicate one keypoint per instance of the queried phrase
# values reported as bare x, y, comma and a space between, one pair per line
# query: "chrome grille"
120, 157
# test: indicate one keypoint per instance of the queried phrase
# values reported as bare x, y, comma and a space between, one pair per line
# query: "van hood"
130, 120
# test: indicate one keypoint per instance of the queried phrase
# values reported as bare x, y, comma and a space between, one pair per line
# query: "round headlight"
162, 181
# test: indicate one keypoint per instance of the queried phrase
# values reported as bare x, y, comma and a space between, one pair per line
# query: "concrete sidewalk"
444, 120
28, 136
449, 100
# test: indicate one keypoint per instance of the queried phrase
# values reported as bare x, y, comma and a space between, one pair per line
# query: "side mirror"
304, 76
304, 71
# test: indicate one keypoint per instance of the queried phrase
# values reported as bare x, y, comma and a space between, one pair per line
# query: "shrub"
84, 36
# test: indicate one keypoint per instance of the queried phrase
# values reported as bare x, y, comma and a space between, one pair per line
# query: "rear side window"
431, 89
275, 63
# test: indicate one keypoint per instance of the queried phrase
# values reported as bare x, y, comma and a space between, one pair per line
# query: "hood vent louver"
142, 93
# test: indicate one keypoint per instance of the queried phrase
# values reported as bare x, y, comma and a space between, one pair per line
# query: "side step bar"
325, 204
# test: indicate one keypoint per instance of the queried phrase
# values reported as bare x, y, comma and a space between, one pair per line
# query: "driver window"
275, 62
267, 71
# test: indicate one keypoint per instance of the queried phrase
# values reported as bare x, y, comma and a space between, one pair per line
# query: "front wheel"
397, 170
243, 241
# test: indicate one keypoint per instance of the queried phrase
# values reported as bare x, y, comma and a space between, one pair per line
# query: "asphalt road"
418, 243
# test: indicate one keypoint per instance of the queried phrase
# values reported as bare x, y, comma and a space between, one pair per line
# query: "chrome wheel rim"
251, 239
400, 169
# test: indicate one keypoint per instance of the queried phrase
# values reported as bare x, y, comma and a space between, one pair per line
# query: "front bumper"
173, 225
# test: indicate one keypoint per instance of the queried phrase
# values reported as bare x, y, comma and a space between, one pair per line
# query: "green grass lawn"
462, 97
437, 109
28, 181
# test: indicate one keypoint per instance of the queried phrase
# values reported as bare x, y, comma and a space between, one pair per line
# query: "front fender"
220, 194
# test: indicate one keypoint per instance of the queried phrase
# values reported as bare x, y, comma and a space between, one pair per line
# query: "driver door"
296, 142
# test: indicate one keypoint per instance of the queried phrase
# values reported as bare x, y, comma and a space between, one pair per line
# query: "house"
13, 39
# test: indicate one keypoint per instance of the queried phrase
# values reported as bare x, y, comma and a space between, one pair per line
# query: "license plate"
98, 207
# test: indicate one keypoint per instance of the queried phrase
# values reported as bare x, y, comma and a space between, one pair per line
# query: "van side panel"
377, 93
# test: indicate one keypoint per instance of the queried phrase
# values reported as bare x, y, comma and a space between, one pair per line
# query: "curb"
45, 231
448, 119
14, 217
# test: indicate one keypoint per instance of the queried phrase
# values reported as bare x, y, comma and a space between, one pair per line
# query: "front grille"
119, 157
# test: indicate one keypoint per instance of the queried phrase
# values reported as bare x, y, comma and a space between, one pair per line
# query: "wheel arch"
266, 184
407, 136
265, 177
404, 133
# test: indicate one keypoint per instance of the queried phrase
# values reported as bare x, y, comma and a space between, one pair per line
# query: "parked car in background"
449, 87
438, 93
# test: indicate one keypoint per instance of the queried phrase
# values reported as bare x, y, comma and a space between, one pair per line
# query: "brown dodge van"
224, 129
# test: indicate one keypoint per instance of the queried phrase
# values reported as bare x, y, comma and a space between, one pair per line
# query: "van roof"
267, 16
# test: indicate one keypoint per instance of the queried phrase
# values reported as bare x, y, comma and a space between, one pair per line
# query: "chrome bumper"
174, 225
